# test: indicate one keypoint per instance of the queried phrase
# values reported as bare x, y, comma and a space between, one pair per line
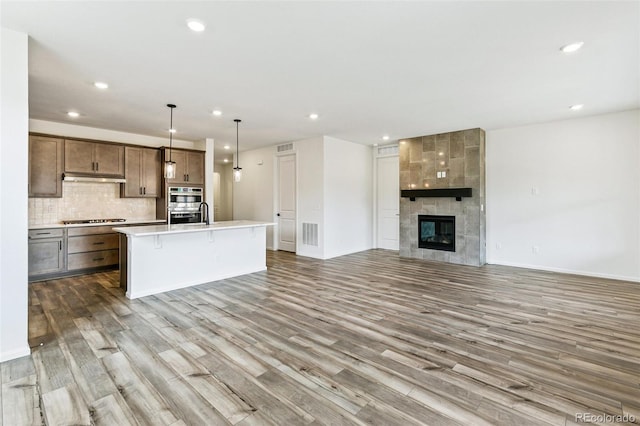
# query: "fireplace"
437, 232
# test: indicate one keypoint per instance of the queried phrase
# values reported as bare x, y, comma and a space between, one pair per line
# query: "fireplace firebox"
437, 232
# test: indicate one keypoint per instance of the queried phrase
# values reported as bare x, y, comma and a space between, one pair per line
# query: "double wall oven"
184, 204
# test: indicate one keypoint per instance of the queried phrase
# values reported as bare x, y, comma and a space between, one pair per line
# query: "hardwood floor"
368, 338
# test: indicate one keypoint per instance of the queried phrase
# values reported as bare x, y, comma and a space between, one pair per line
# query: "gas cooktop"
79, 221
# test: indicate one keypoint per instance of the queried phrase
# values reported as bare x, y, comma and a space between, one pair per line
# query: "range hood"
71, 177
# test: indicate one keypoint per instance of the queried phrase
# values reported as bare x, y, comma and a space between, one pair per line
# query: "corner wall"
333, 189
565, 196
348, 197
310, 171
14, 146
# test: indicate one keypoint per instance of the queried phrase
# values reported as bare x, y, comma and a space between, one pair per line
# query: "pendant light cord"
171, 107
237, 145
237, 120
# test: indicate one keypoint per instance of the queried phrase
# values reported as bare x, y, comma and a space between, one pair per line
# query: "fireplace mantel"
456, 193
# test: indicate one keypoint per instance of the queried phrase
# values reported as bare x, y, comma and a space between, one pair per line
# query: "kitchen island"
159, 258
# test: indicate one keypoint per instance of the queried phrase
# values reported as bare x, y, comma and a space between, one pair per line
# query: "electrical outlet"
535, 249
498, 246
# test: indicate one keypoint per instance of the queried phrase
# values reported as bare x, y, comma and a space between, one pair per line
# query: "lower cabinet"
92, 247
64, 251
46, 251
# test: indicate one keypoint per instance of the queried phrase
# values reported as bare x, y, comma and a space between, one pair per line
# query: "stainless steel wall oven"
184, 204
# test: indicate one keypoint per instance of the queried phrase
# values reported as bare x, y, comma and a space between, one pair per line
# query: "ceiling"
367, 68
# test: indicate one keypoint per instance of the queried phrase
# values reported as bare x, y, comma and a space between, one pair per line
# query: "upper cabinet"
45, 166
93, 158
189, 166
142, 171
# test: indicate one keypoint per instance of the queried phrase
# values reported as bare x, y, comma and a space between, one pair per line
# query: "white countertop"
77, 225
141, 231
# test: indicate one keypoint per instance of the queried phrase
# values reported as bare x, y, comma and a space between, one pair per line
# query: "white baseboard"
15, 353
567, 271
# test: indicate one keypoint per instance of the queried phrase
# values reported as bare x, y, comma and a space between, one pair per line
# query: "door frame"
276, 196
382, 151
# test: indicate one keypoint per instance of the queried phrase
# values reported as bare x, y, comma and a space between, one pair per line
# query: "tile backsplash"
84, 200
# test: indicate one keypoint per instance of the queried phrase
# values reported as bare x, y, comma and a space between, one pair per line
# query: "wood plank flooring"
367, 338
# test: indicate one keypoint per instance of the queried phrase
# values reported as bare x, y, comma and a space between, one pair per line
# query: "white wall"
310, 168
14, 143
585, 217
253, 195
348, 197
333, 190
225, 206
84, 132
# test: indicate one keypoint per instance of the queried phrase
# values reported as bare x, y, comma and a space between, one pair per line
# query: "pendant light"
237, 170
170, 166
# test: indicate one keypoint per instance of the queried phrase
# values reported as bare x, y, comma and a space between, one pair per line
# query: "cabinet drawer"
92, 259
92, 243
35, 234
91, 230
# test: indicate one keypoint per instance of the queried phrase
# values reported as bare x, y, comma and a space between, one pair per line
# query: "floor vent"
310, 234
285, 147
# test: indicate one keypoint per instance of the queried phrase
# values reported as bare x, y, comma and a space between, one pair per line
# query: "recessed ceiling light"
226, 160
576, 107
73, 114
101, 85
226, 147
217, 112
195, 25
313, 116
385, 138
172, 130
570, 48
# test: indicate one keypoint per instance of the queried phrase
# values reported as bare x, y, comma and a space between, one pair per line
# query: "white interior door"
388, 184
287, 203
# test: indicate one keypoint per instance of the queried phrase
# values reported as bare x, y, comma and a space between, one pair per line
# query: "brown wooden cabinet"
92, 247
189, 166
195, 167
93, 158
142, 171
45, 166
46, 251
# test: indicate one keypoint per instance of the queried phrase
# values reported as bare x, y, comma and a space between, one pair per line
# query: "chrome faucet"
205, 216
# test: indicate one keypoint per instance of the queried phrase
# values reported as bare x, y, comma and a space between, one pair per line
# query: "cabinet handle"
93, 166
144, 190
140, 190
43, 233
96, 259
97, 166
98, 243
187, 177
59, 245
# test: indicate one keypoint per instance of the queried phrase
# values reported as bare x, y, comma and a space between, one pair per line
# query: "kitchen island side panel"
165, 262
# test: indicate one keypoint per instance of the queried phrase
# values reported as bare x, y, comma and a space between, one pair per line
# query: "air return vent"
285, 147
388, 150
310, 234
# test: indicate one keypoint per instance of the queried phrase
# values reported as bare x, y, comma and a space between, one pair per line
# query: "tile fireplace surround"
460, 157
